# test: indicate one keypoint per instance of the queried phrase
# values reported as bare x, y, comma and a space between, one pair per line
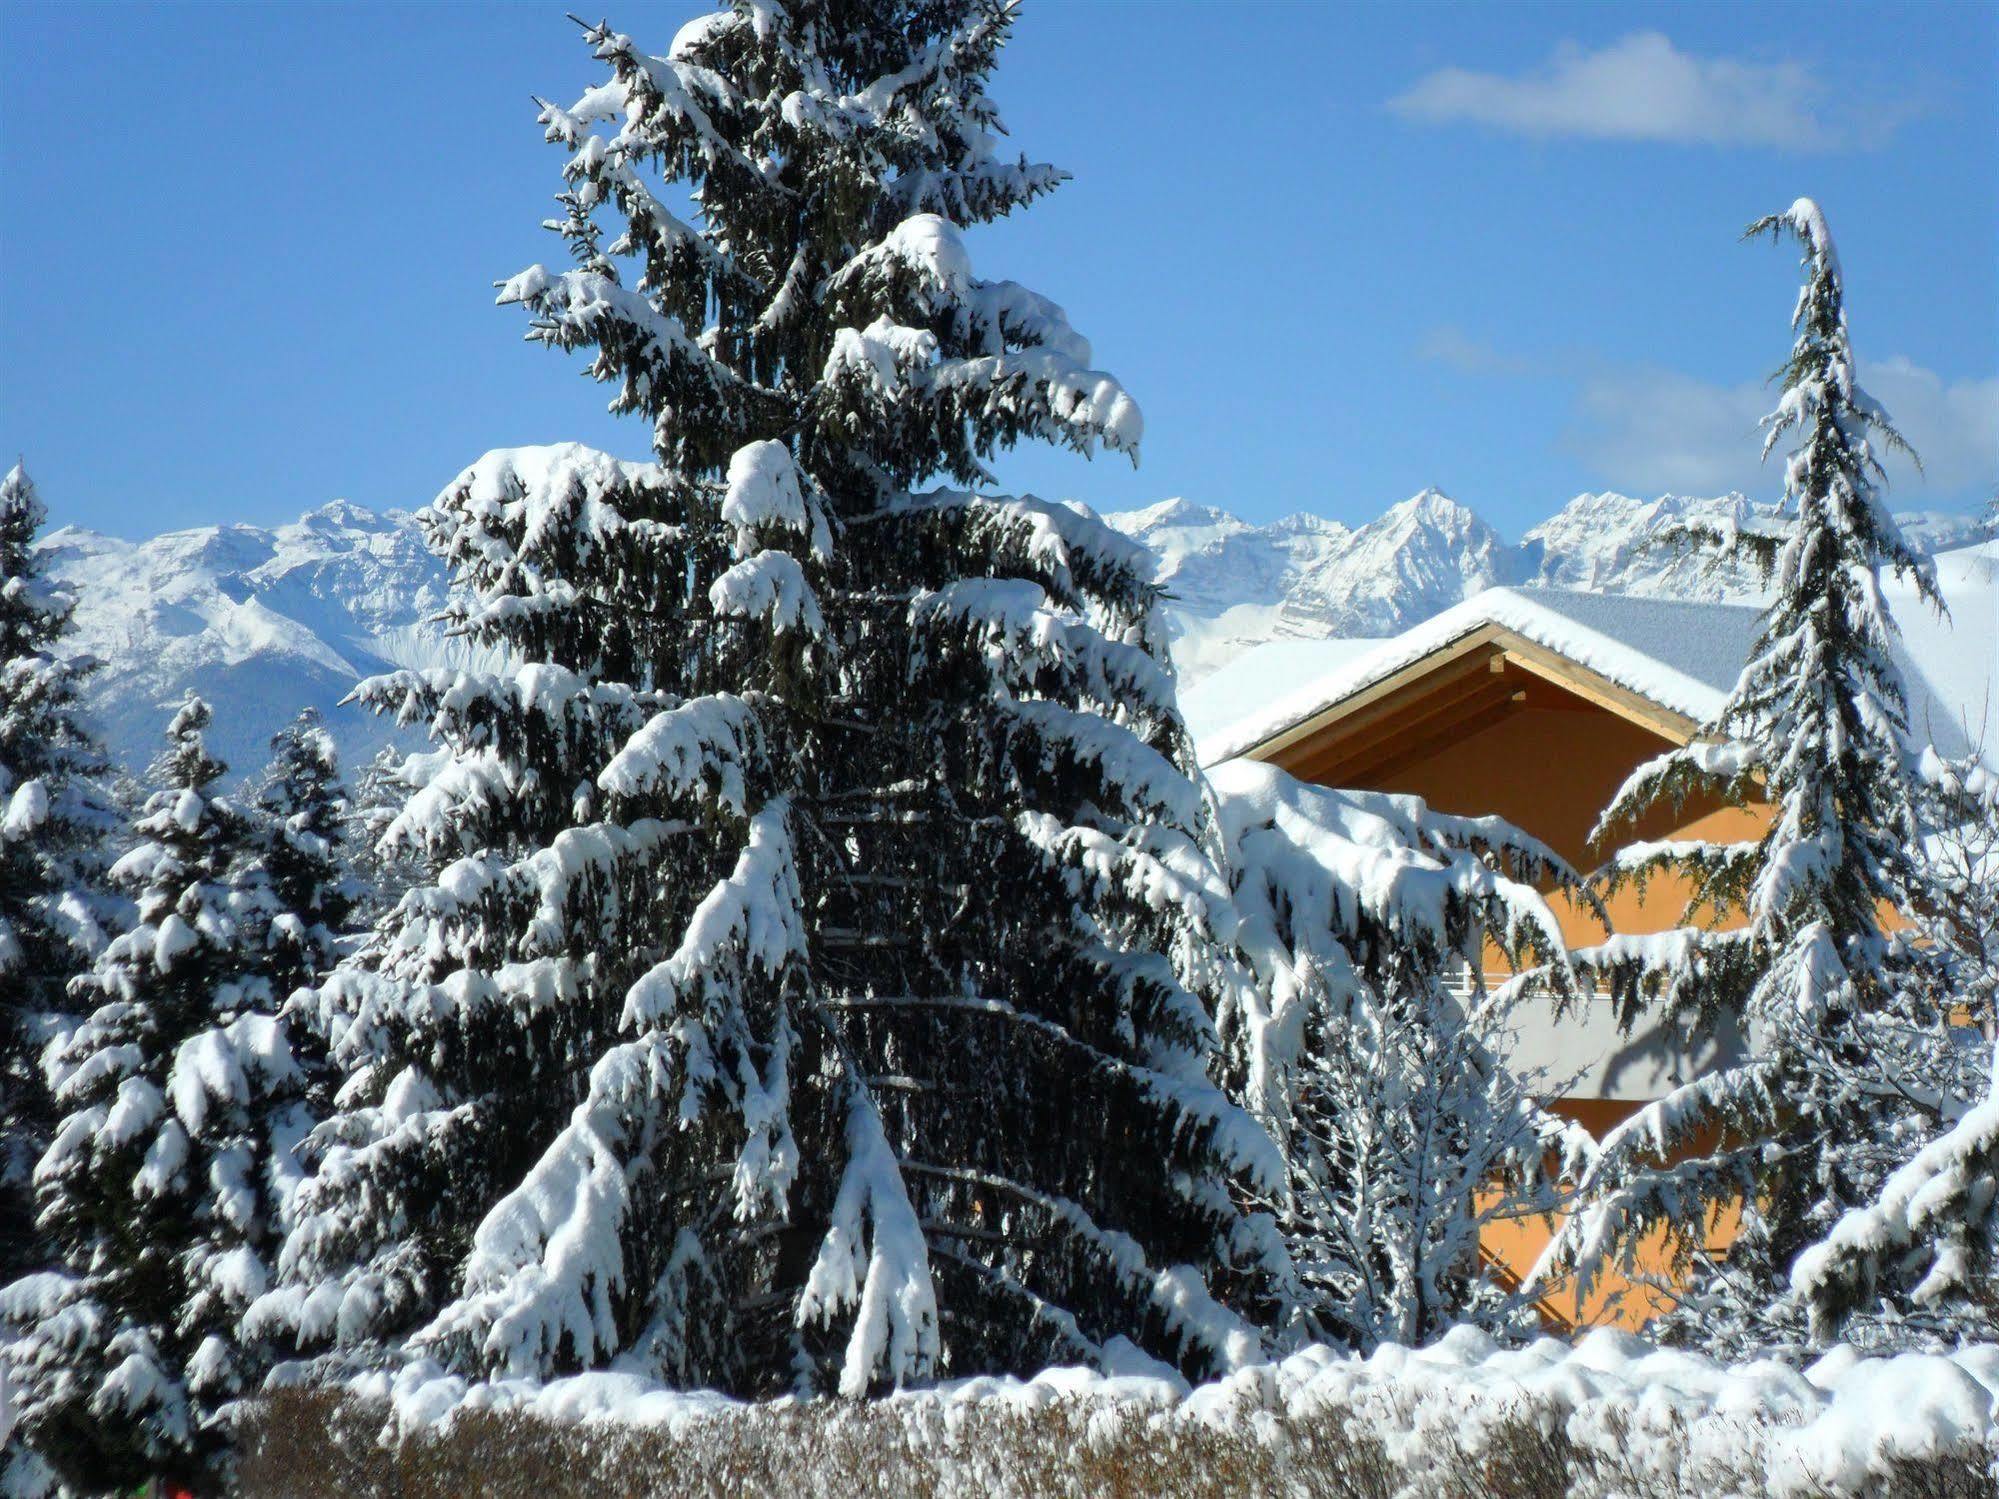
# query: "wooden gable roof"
1450, 693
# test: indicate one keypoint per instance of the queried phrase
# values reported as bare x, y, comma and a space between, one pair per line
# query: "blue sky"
1338, 254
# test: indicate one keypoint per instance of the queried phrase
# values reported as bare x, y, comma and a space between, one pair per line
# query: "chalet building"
1535, 705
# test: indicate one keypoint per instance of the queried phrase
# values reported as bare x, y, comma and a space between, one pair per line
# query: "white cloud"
1952, 424
1451, 346
1640, 88
1653, 431
1648, 431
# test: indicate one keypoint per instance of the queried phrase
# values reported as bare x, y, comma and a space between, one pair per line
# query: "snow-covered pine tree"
302, 845
52, 821
1920, 1263
1852, 1063
811, 994
156, 1192
1383, 1078
381, 874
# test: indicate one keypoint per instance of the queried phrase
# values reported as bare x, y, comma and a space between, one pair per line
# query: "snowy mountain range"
262, 622
1236, 585
265, 621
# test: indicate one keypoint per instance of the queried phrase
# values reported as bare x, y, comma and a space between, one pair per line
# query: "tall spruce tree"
1851, 1062
814, 991
52, 822
157, 1192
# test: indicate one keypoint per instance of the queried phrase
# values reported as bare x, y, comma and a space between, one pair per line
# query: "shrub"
299, 1444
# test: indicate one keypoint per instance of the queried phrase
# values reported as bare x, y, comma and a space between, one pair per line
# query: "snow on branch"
1150, 868
1348, 857
652, 355
1642, 1177
1016, 630
770, 587
227, 1065
767, 492
1129, 776
1933, 1226
706, 745
874, 1259
500, 711
1083, 563
748, 929
923, 271
666, 103
548, 1264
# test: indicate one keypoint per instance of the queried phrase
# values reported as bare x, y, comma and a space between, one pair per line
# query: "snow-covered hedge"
1611, 1415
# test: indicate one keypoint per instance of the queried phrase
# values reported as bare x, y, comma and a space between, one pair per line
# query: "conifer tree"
1406, 1134
814, 989
1851, 1064
52, 820
156, 1192
303, 840
381, 875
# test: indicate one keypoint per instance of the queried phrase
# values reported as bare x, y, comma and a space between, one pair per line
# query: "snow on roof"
1253, 681
1951, 666
1684, 656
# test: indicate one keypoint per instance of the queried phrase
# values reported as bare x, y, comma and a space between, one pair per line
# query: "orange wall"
1615, 1300
1552, 771
1548, 770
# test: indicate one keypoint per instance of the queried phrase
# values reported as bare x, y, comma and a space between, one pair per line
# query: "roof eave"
1499, 641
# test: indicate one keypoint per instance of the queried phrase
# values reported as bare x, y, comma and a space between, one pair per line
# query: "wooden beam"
1596, 688
1390, 719
1551, 699
1363, 771
1468, 652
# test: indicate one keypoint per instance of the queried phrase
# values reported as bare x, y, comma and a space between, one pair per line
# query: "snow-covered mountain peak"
1610, 511
1618, 544
1418, 557
1431, 512
1426, 501
345, 515
1210, 559
1176, 513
